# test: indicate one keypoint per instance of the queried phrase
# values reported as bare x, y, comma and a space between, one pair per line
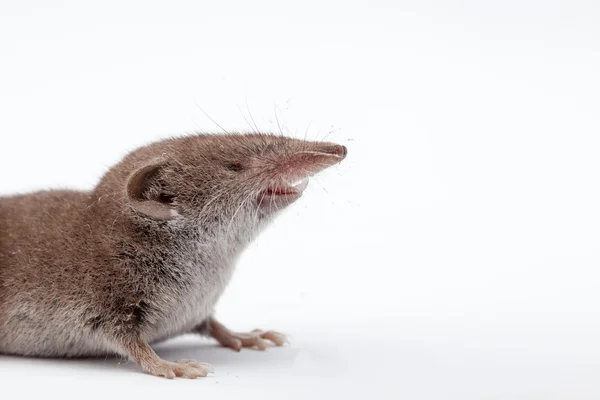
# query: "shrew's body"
146, 255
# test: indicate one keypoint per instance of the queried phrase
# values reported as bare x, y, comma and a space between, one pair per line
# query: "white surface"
455, 253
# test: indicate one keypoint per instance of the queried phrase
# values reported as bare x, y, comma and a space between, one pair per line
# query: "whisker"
209, 117
237, 210
251, 117
330, 132
246, 119
306, 131
277, 119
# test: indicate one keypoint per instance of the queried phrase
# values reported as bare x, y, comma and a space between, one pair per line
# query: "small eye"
236, 167
166, 198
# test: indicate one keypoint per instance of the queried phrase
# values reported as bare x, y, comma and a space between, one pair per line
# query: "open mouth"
287, 189
303, 163
282, 194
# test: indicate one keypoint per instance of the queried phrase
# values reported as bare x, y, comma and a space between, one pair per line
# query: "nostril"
340, 151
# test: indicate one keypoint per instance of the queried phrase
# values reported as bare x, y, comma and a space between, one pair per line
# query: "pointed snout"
338, 150
309, 160
323, 156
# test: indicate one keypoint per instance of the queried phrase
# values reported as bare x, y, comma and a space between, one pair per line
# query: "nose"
338, 150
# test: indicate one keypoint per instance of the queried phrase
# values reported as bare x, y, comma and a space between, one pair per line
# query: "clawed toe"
184, 368
197, 365
257, 339
275, 337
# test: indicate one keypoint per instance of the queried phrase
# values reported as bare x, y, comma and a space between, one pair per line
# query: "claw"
198, 365
236, 344
260, 344
278, 338
257, 338
182, 368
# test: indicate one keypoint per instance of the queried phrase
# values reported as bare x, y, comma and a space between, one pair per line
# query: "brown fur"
146, 254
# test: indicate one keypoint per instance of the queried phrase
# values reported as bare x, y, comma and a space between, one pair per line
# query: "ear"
146, 196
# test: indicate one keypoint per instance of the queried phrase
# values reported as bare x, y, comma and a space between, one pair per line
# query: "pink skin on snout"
293, 174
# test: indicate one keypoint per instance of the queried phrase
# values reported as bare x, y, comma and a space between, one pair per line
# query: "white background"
454, 254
